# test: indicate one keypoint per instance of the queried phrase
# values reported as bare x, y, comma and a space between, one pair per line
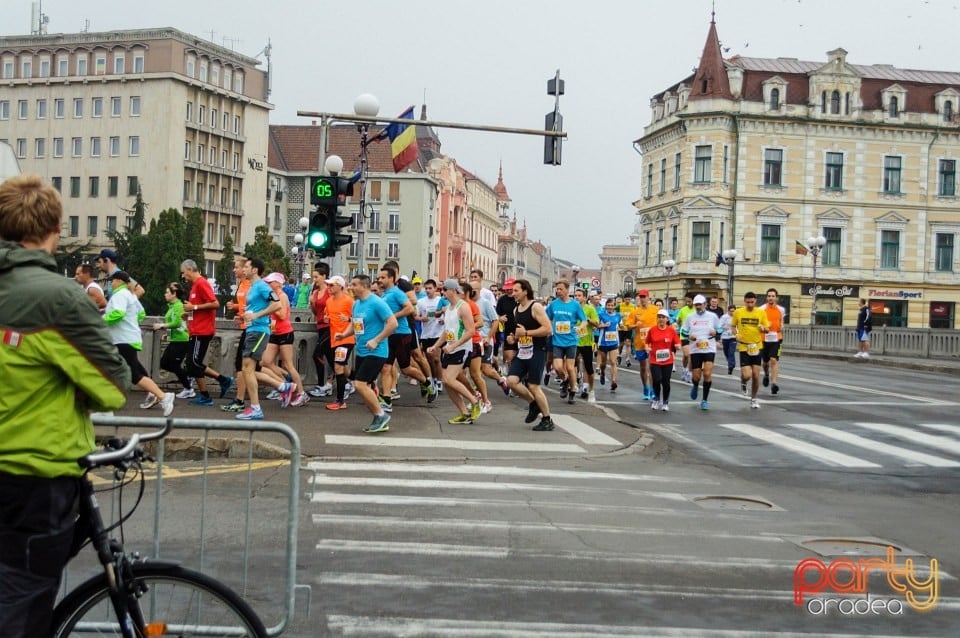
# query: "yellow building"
757, 154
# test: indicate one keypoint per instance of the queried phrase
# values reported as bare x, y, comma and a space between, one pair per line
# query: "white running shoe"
302, 398
167, 403
414, 381
655, 405
591, 397
866, 355
347, 390
486, 408
149, 401
273, 395
665, 407
186, 393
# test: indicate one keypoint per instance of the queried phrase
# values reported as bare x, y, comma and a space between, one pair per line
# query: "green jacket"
57, 364
176, 322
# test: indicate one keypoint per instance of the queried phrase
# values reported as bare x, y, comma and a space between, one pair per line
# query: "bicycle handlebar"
108, 457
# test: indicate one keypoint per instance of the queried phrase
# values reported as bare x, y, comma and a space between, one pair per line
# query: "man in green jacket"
58, 365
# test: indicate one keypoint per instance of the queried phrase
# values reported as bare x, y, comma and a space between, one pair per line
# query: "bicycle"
136, 597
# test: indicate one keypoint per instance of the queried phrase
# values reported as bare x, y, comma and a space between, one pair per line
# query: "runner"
281, 343
585, 344
661, 343
750, 323
431, 326
237, 305
506, 305
643, 317
626, 308
702, 326
84, 277
201, 308
488, 321
454, 348
773, 341
864, 328
729, 339
176, 350
322, 351
566, 315
532, 329
687, 308
339, 309
610, 319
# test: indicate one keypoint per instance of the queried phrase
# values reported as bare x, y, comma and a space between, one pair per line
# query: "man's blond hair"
30, 210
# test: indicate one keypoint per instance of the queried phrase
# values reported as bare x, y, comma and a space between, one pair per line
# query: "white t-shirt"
698, 328
433, 327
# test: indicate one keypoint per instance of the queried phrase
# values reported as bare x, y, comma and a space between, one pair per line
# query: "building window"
831, 250
676, 170
200, 149
7, 73
891, 174
40, 147
58, 147
352, 250
201, 114
203, 71
646, 248
57, 182
663, 175
700, 244
78, 107
187, 149
226, 121
82, 65
22, 109
191, 67
835, 103
76, 146
74, 187
374, 219
114, 146
213, 118
373, 250
948, 178
189, 111
659, 245
45, 68
58, 108
773, 167
4, 109
238, 83
94, 188
649, 180
133, 184
74, 225
96, 107
944, 252
393, 249
115, 106
393, 192
376, 189
701, 164
111, 224
833, 177
393, 223
942, 314
118, 65
674, 240
92, 226
209, 234
187, 189
100, 65
770, 243
948, 111
774, 99
890, 249
134, 145
41, 109
893, 107
22, 147
113, 186
138, 64
94, 147
26, 69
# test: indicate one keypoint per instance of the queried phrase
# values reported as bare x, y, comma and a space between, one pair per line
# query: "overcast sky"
487, 62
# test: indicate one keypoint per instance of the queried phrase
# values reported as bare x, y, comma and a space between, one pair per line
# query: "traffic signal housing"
327, 193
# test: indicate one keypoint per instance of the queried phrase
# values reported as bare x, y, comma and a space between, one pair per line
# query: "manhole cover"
721, 502
838, 546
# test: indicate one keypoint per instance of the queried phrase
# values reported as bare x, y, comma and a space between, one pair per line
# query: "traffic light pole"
362, 218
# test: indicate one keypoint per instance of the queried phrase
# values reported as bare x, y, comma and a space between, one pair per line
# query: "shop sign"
894, 293
830, 290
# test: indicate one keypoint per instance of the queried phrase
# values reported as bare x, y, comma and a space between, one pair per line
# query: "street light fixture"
729, 258
299, 251
815, 245
369, 106
668, 265
576, 276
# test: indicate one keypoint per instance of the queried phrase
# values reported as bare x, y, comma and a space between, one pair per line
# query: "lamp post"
668, 265
815, 245
576, 276
369, 106
729, 258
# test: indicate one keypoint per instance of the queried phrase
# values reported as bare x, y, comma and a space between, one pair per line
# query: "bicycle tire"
179, 597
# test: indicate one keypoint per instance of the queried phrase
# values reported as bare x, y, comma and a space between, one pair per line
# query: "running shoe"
766, 381
432, 391
487, 408
704, 405
287, 390
301, 398
730, 370
149, 401
225, 386
743, 387
252, 413
202, 400
532, 412
348, 389
234, 406
337, 405
563, 391
546, 379
460, 419
603, 377
655, 405
475, 411
186, 393
665, 407
774, 388
571, 398
591, 397
545, 425
321, 391
584, 392
613, 386
619, 359
394, 394
439, 386
754, 403
693, 393
424, 388
378, 425
413, 381
503, 386
386, 407
273, 395
166, 403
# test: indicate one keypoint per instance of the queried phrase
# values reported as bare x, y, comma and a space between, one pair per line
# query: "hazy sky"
488, 61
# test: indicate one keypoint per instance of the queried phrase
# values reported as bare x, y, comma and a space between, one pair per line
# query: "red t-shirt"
202, 323
318, 303
662, 343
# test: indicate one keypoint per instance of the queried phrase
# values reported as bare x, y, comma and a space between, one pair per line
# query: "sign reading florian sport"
846, 576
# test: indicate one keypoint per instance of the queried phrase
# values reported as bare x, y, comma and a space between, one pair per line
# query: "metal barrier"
926, 343
213, 513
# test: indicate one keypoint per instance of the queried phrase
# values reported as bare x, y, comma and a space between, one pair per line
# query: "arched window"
894, 106
503, 253
947, 111
835, 103
628, 283
774, 99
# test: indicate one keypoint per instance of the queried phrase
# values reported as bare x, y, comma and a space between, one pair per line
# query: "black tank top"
526, 319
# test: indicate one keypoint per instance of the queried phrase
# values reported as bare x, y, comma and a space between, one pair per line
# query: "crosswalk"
855, 444
451, 549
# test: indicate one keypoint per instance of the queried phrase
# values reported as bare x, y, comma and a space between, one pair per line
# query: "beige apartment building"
758, 154
102, 115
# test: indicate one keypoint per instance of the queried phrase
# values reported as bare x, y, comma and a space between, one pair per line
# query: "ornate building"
758, 154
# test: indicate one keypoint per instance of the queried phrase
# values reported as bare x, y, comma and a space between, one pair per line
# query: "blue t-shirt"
259, 296
370, 315
565, 316
611, 331
395, 299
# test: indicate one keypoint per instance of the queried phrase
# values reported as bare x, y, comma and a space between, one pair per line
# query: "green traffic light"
318, 239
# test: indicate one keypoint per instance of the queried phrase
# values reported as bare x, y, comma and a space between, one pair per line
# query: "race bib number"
563, 327
358, 325
340, 354
753, 349
582, 330
642, 333
702, 344
449, 337
611, 336
771, 336
662, 355
525, 347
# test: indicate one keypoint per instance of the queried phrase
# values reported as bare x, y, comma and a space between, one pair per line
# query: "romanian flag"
801, 249
403, 141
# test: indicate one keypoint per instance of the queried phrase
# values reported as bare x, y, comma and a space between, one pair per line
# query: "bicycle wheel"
186, 602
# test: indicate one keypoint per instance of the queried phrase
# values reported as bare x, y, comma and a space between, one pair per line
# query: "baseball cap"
337, 279
106, 253
509, 282
417, 280
451, 284
306, 276
643, 292
275, 277
121, 275
663, 313
699, 299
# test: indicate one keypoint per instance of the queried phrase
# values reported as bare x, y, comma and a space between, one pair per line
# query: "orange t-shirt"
641, 320
241, 305
774, 317
338, 313
477, 321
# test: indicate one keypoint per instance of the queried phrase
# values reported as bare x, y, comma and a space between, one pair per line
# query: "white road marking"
392, 441
942, 442
584, 432
815, 452
877, 446
941, 427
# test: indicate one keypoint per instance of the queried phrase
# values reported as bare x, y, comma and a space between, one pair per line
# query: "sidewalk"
942, 366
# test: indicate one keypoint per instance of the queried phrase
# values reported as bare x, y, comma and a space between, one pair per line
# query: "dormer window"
774, 99
774, 93
894, 101
893, 107
835, 103
947, 111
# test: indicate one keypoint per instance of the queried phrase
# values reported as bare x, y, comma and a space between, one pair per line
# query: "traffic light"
326, 194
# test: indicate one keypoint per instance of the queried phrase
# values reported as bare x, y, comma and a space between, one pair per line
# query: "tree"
273, 255
194, 236
70, 255
224, 270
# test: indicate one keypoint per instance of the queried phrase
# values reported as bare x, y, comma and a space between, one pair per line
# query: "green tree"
70, 255
224, 270
273, 255
193, 249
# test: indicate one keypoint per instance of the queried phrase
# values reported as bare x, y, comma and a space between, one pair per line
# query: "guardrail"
217, 514
926, 343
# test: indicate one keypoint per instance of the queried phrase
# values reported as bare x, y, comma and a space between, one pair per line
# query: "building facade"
756, 155
102, 115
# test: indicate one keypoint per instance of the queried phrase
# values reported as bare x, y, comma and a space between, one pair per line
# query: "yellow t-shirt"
641, 320
748, 323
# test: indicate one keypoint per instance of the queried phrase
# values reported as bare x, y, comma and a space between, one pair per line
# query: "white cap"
275, 277
663, 313
699, 299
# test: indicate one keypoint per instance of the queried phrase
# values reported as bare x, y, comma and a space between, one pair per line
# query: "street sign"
595, 283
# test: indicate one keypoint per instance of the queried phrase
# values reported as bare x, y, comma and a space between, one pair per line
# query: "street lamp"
668, 265
298, 250
815, 245
576, 276
729, 258
367, 105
